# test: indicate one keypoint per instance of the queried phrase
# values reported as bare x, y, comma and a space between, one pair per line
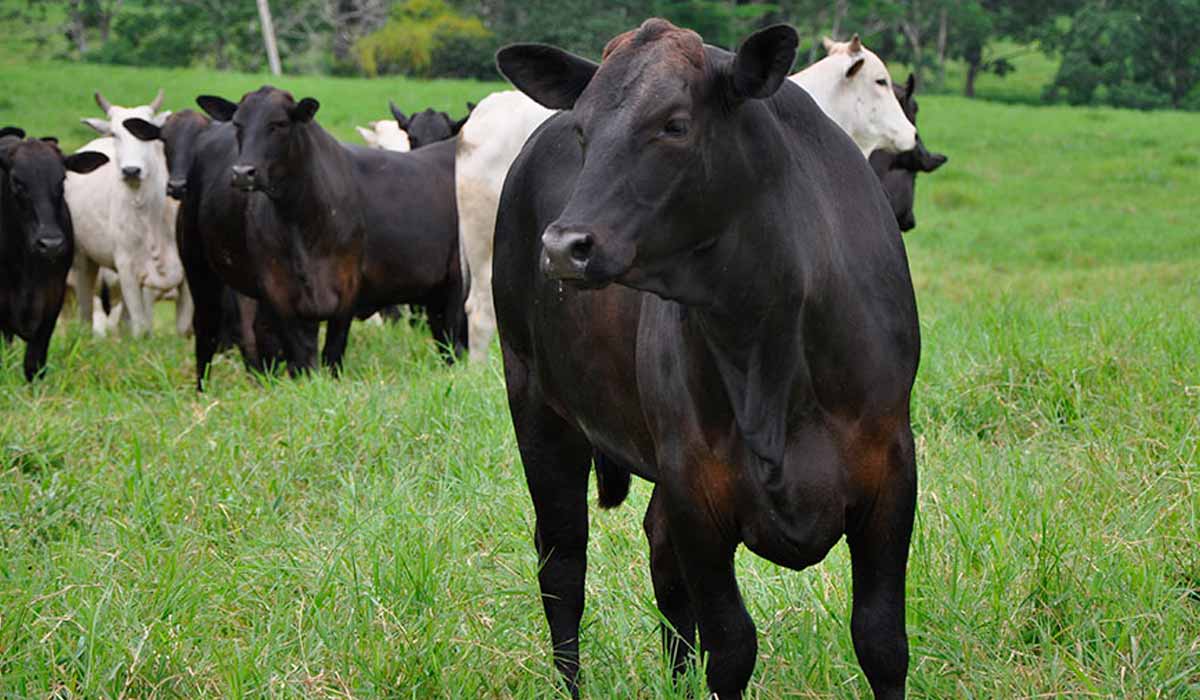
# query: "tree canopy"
1129, 53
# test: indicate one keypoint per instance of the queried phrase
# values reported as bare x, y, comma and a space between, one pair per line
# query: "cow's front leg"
299, 343
879, 558
85, 285
556, 458
704, 539
337, 334
184, 310
39, 346
131, 294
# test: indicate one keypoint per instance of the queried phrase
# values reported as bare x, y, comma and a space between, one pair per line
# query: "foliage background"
1129, 53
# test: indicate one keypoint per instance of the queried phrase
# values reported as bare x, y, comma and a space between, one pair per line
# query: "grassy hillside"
49, 98
370, 537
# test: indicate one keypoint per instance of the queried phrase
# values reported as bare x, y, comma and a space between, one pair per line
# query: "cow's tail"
612, 480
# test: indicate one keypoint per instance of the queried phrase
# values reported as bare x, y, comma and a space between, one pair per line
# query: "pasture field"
371, 536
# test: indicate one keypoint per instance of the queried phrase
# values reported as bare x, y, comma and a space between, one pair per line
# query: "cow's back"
411, 219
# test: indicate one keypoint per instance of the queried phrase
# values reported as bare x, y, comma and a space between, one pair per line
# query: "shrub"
422, 38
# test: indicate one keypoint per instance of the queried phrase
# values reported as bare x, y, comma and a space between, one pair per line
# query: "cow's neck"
752, 331
316, 186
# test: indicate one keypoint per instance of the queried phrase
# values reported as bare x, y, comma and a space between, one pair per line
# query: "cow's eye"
882, 82
277, 126
676, 128
18, 187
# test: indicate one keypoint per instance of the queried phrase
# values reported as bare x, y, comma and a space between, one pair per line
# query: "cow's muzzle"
245, 178
50, 245
566, 253
176, 188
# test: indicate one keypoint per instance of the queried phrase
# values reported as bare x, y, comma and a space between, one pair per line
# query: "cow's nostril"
581, 248
131, 171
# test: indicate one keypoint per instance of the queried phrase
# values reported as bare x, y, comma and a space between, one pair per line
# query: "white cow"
122, 218
853, 87
487, 145
385, 135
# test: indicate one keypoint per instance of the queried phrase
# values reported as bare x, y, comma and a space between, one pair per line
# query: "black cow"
423, 129
260, 337
428, 127
897, 172
698, 280
323, 231
37, 241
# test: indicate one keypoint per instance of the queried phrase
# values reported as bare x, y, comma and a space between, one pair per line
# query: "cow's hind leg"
879, 557
670, 590
556, 459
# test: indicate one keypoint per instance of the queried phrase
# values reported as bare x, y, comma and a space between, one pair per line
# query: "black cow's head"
33, 172
178, 134
268, 121
918, 159
661, 124
424, 128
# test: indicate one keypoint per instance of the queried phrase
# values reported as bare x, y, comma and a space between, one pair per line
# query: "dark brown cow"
897, 172
698, 280
316, 229
258, 335
37, 241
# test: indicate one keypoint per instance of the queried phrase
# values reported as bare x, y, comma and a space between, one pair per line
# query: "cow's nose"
176, 188
131, 172
567, 252
50, 245
243, 176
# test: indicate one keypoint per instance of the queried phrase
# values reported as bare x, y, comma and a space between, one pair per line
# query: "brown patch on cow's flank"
869, 448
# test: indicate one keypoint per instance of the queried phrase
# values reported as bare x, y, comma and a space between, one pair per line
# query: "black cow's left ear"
305, 110
84, 161
763, 62
910, 85
550, 76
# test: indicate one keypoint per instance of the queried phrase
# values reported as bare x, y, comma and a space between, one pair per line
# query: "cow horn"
154, 105
855, 44
104, 104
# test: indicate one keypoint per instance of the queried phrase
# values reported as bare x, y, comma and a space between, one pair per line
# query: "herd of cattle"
697, 277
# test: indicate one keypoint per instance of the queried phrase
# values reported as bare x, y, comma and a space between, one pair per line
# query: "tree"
1131, 53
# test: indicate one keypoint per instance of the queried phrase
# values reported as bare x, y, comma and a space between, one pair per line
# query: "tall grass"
371, 536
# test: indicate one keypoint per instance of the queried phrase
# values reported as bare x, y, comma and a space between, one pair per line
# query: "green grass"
370, 537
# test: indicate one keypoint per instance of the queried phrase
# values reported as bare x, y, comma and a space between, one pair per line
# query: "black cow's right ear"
763, 62
12, 131
84, 161
305, 110
552, 77
398, 115
143, 129
218, 108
